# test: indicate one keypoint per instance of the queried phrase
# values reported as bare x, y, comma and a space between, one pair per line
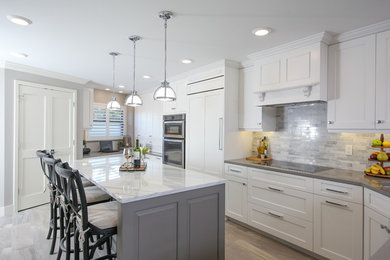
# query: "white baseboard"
6, 210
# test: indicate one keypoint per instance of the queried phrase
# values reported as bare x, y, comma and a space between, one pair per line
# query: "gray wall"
302, 136
2, 137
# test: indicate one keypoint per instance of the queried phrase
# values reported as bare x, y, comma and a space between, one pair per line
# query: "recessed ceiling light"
19, 54
19, 20
146, 76
107, 89
186, 61
121, 86
120, 91
261, 31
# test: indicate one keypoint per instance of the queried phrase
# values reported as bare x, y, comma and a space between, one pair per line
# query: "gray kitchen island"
164, 212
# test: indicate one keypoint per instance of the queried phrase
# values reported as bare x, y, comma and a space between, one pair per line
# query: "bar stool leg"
54, 219
61, 231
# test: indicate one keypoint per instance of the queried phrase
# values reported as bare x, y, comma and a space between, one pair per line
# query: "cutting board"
131, 168
257, 159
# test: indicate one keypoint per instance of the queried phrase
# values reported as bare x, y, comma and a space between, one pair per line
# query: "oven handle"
174, 140
220, 133
174, 122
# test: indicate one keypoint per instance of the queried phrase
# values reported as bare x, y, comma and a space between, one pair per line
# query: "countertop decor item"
377, 169
129, 167
257, 159
134, 100
164, 92
113, 104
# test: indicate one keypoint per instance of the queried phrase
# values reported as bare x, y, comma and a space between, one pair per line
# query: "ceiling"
74, 37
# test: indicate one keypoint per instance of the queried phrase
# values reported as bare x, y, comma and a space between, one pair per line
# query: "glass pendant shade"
164, 92
134, 100
113, 104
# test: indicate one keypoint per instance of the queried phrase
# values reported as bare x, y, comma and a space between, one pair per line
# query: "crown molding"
41, 72
246, 64
361, 32
324, 37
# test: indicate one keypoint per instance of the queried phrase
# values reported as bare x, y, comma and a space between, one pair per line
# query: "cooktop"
295, 166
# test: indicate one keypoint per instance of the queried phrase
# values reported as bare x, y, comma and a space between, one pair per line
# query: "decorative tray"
130, 168
377, 175
257, 159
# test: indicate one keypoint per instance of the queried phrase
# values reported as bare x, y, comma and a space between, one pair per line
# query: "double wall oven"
174, 140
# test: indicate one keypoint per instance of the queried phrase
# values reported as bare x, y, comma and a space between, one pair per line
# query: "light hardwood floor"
23, 236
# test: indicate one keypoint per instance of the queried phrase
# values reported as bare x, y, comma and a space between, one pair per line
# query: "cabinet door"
182, 98
157, 126
236, 198
170, 107
383, 81
351, 91
376, 235
268, 73
195, 133
338, 228
213, 132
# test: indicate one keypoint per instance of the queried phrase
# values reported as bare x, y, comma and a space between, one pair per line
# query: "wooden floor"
23, 236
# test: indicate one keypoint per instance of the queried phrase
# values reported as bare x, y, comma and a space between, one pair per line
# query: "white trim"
6, 210
41, 72
324, 37
17, 84
363, 31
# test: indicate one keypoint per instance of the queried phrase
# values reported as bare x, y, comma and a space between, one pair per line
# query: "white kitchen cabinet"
376, 234
351, 79
338, 232
382, 117
148, 122
205, 132
180, 105
236, 198
88, 107
253, 117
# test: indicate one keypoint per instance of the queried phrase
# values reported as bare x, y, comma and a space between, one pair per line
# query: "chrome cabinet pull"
274, 189
380, 121
233, 170
220, 133
330, 122
244, 183
337, 191
336, 204
386, 228
274, 214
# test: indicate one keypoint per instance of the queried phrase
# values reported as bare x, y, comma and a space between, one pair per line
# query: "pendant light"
134, 100
113, 104
164, 92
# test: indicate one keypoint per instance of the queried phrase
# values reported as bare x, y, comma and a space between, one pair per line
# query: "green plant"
84, 142
120, 144
145, 150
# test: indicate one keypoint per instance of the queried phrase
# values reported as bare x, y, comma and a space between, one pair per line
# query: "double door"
46, 120
205, 133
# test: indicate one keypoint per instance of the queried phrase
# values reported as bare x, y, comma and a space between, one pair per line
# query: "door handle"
275, 215
380, 121
337, 191
220, 141
52, 151
274, 189
336, 204
233, 170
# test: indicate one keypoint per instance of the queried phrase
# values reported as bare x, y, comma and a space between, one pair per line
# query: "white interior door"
45, 121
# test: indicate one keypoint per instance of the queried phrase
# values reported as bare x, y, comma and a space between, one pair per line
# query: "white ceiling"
74, 37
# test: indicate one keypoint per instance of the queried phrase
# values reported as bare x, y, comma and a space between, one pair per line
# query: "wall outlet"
348, 149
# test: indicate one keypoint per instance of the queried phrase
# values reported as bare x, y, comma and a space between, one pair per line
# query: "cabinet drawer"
282, 179
339, 190
285, 200
376, 201
236, 170
289, 228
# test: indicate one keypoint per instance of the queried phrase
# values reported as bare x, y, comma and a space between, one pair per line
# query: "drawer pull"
233, 170
337, 191
274, 214
336, 204
274, 189
386, 228
244, 183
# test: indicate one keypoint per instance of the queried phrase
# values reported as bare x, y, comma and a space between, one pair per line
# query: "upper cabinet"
180, 105
382, 116
88, 108
359, 84
351, 92
292, 73
253, 117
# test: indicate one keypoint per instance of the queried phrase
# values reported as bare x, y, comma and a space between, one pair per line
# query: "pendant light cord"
113, 74
165, 58
134, 69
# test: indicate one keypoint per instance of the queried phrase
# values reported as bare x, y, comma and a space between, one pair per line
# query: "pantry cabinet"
253, 117
382, 116
351, 90
205, 132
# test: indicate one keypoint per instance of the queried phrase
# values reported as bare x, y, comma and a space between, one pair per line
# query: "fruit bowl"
377, 175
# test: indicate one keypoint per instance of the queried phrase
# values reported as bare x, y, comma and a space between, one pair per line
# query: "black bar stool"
99, 219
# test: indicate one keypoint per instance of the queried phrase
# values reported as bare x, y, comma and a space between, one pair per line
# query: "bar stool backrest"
75, 193
41, 154
49, 162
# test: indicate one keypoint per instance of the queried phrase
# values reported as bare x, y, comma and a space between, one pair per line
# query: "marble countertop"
333, 174
158, 179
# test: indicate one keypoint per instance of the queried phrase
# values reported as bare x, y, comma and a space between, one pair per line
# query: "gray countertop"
333, 174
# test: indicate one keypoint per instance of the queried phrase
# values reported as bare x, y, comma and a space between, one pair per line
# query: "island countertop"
158, 179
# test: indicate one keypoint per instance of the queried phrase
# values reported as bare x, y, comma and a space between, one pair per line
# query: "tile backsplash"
301, 136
